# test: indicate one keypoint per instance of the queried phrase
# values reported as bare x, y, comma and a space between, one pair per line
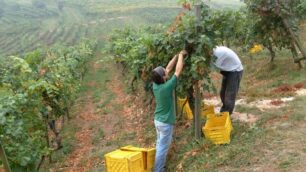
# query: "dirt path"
99, 130
119, 116
74, 162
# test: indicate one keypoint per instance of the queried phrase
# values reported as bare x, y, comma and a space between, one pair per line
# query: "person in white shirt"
231, 68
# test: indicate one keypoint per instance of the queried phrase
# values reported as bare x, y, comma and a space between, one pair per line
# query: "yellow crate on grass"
218, 128
186, 110
124, 161
205, 109
148, 156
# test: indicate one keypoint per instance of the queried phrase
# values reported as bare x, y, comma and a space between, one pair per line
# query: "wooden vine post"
296, 40
197, 104
292, 35
4, 159
175, 103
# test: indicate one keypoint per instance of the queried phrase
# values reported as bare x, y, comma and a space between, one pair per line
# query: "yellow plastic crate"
218, 128
148, 156
207, 109
186, 110
124, 161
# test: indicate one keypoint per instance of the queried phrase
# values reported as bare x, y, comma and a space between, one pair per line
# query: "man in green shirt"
164, 117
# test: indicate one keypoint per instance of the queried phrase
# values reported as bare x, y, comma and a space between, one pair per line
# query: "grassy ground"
262, 76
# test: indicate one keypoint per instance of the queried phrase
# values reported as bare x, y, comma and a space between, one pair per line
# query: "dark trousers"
229, 90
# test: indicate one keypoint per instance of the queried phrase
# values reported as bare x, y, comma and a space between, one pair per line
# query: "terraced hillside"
29, 24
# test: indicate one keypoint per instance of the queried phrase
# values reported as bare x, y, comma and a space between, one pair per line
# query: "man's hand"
184, 53
171, 64
180, 63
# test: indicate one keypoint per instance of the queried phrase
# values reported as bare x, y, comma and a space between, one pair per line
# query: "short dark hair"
157, 79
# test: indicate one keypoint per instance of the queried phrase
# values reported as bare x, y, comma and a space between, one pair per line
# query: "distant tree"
276, 23
39, 4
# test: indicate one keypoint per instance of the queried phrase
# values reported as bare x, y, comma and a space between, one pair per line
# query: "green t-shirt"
164, 111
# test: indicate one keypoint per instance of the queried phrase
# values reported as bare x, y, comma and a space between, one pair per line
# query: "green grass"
98, 136
210, 157
261, 77
122, 140
150, 134
68, 143
102, 96
245, 109
298, 109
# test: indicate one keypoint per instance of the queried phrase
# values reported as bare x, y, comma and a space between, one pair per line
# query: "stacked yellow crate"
148, 155
124, 161
130, 159
186, 110
207, 109
218, 128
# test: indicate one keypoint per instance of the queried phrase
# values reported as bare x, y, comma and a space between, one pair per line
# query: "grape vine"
35, 91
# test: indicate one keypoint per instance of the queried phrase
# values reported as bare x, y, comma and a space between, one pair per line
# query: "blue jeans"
164, 137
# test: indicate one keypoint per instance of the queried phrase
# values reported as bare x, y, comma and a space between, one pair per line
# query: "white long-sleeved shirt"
227, 59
